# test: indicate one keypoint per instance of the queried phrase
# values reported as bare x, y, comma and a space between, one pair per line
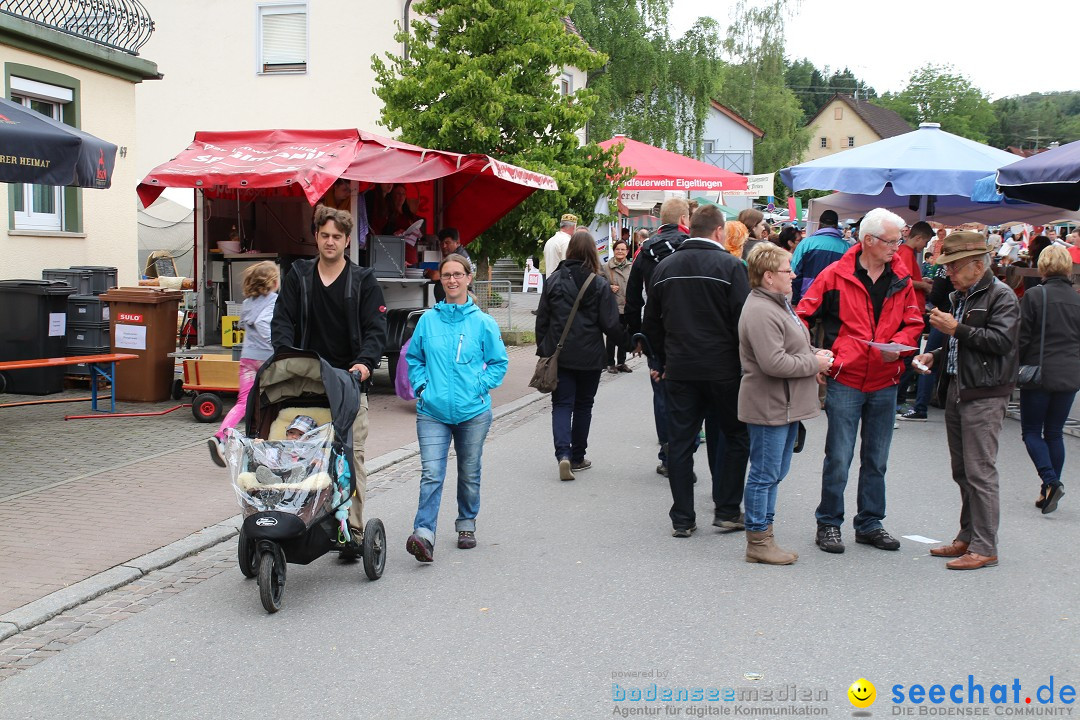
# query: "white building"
82, 73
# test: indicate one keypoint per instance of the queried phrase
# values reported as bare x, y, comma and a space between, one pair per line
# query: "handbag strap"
1042, 332
573, 310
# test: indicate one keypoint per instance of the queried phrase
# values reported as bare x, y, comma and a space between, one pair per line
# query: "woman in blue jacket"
456, 358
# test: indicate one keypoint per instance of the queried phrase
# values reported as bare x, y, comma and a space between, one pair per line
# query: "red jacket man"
865, 296
842, 302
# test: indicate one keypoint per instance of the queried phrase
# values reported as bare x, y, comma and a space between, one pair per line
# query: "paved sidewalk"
79, 497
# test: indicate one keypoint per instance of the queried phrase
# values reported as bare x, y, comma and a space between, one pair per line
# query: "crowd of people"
747, 338
747, 335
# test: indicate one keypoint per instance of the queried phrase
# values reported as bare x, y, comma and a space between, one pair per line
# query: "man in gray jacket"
980, 363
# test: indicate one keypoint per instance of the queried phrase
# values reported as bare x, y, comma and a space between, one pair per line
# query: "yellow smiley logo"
862, 693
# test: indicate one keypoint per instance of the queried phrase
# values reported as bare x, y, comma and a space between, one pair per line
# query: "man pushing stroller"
335, 308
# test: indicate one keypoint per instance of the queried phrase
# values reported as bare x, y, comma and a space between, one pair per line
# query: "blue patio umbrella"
1050, 178
927, 161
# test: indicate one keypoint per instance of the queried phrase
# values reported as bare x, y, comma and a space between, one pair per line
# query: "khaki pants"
359, 438
973, 427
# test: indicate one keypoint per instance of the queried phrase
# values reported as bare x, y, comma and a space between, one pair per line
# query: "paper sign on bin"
130, 337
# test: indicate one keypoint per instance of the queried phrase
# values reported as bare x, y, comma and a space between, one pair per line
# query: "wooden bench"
93, 362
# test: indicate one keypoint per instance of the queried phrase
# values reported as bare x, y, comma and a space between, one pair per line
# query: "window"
566, 84
39, 207
708, 146
851, 141
838, 113
282, 38
824, 142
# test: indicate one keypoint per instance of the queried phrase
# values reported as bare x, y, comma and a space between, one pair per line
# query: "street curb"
48, 607
182, 548
53, 604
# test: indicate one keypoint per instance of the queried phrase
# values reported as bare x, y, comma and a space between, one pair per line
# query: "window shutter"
284, 41
828, 142
838, 113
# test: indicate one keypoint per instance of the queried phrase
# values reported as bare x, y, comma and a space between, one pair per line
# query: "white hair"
874, 222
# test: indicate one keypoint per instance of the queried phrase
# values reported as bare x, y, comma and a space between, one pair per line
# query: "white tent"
950, 209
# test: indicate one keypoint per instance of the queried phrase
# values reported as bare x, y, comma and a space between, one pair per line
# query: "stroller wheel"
271, 579
245, 555
374, 549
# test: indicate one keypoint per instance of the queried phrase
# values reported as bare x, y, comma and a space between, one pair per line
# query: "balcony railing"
118, 24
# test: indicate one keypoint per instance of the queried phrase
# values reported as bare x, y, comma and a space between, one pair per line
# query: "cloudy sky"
1003, 48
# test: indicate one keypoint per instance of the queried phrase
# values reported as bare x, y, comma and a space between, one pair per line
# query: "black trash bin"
33, 325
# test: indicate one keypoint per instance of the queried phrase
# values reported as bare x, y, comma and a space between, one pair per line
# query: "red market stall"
659, 169
260, 186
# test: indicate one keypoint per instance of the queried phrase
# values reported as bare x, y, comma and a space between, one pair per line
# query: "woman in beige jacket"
778, 390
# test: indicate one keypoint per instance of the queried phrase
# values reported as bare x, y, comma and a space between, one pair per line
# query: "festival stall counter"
258, 189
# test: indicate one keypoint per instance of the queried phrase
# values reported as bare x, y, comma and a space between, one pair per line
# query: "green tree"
755, 85
938, 94
481, 78
652, 88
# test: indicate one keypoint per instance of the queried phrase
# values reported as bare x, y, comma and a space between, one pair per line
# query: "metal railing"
494, 298
123, 25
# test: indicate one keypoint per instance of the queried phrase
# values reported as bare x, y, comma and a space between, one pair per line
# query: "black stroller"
295, 494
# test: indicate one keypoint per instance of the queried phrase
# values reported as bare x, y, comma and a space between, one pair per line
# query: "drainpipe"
405, 25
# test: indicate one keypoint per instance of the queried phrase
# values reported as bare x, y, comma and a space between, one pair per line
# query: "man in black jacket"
979, 364
329, 305
692, 322
675, 216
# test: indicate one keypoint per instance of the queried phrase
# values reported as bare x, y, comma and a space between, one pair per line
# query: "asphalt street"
577, 592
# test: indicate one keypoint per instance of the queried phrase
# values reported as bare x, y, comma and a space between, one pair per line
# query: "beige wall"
207, 52
212, 84
107, 109
838, 131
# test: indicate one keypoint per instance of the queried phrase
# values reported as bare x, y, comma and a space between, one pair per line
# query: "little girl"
260, 294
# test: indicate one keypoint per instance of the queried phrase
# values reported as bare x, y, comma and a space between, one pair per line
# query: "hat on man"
959, 245
829, 218
303, 423
568, 219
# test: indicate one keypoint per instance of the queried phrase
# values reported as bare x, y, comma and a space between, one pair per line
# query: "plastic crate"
81, 280
233, 308
87, 335
85, 309
103, 278
82, 369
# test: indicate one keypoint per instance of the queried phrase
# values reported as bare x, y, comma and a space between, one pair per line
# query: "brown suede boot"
790, 552
760, 548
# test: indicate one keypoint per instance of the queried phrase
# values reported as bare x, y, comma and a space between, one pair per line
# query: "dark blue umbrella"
1050, 178
39, 150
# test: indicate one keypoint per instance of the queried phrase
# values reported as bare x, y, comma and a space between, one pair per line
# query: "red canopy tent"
659, 169
477, 190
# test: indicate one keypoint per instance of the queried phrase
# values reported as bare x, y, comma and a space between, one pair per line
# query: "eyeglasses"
787, 271
953, 268
453, 275
882, 240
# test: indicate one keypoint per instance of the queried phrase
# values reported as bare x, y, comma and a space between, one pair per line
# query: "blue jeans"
571, 412
434, 438
1042, 417
770, 459
925, 383
846, 408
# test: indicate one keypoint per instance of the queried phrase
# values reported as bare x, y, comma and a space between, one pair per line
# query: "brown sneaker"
466, 540
420, 548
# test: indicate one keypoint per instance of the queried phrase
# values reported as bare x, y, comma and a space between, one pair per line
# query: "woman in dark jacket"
583, 355
1043, 410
